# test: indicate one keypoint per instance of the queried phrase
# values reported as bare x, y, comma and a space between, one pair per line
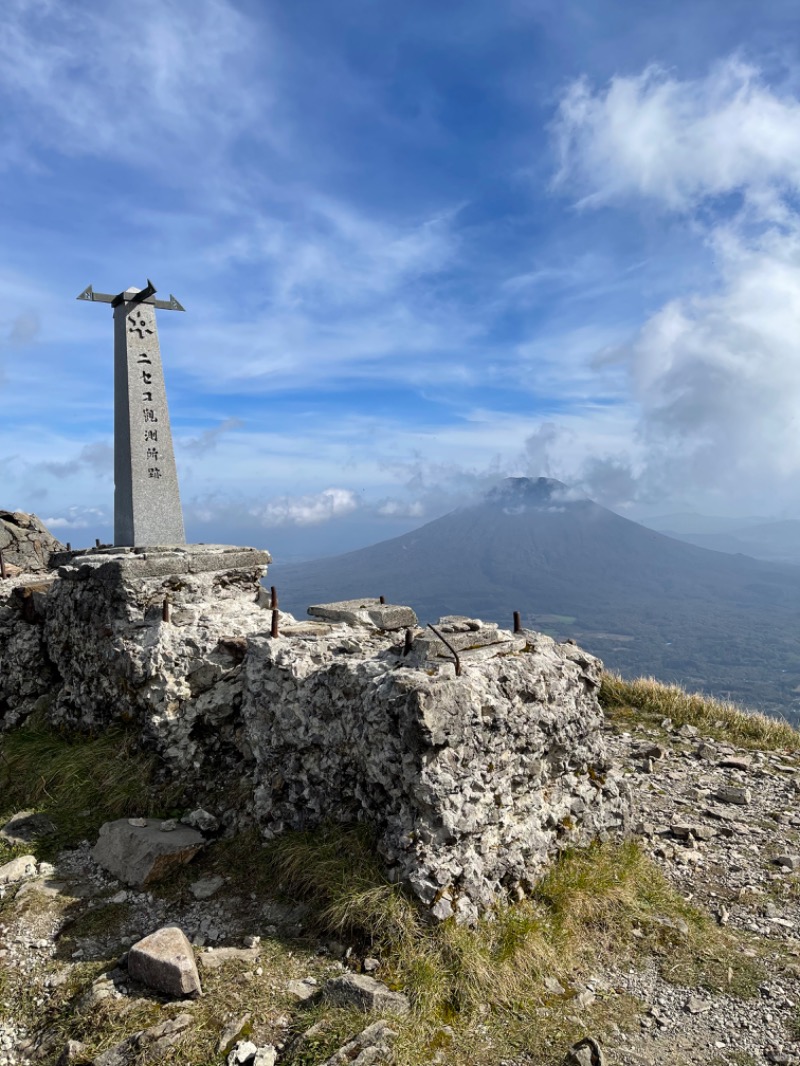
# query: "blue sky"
421, 246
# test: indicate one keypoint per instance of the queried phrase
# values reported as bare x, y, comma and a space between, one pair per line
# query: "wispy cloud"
148, 86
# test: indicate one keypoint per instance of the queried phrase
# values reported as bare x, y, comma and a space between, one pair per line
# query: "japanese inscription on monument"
147, 505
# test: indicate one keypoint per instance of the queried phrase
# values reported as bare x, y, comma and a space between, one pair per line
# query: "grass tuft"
79, 782
647, 699
606, 905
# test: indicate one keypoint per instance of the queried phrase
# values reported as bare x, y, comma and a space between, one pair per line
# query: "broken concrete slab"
368, 611
136, 851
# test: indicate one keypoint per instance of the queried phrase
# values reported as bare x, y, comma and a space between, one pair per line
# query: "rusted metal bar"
69, 546
517, 622
450, 647
408, 642
97, 542
3, 573
381, 599
274, 631
165, 610
273, 598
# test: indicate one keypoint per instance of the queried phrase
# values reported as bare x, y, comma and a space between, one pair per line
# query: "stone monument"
147, 503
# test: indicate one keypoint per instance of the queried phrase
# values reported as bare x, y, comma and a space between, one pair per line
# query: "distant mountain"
777, 542
644, 602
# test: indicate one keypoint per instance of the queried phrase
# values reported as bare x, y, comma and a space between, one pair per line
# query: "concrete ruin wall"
471, 782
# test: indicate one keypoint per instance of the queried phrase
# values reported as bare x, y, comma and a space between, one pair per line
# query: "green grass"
648, 701
78, 781
488, 981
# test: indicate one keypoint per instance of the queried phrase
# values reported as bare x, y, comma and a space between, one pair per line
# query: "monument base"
162, 559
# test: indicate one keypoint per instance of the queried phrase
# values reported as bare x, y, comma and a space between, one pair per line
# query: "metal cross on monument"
147, 503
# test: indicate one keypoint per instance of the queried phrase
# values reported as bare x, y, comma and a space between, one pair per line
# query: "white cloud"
679, 141
77, 518
715, 374
393, 508
308, 510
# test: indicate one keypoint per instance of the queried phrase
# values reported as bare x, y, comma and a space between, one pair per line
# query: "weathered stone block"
366, 612
164, 960
141, 854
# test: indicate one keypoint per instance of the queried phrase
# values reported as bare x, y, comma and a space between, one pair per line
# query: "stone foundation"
472, 780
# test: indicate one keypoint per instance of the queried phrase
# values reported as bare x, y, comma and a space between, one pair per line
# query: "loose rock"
138, 853
165, 961
365, 993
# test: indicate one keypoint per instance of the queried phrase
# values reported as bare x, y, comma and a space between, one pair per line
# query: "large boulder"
25, 541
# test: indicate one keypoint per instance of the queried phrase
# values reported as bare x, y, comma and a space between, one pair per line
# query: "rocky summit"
374, 842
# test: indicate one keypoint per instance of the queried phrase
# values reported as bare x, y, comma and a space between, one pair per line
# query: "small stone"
244, 1052
697, 1006
736, 762
681, 831
202, 820
165, 961
443, 908
18, 869
139, 823
301, 990
169, 825
586, 1052
372, 1045
206, 887
266, 1056
26, 826
365, 993
232, 1032
371, 965
213, 958
733, 794
788, 862
74, 1051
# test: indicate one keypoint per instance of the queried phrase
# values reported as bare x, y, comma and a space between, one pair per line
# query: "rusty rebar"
381, 599
448, 645
408, 642
274, 631
517, 622
97, 542
165, 610
273, 598
69, 546
3, 573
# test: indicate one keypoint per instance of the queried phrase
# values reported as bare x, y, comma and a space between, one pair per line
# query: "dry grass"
648, 700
